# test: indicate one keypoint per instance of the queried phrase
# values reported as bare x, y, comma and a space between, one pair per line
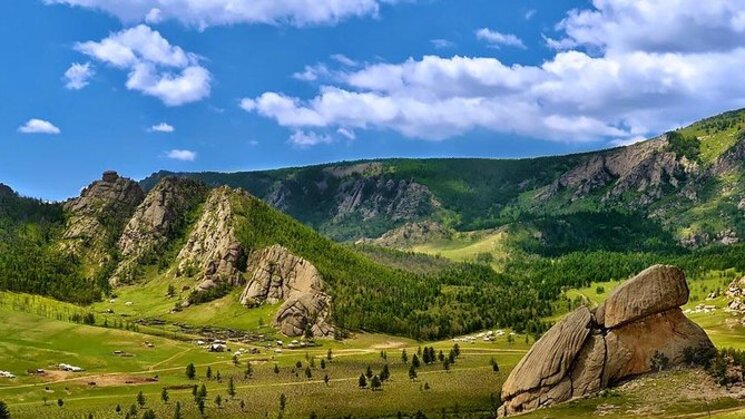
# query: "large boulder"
276, 275
586, 352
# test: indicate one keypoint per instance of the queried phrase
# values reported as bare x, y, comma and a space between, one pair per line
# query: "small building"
218, 347
70, 368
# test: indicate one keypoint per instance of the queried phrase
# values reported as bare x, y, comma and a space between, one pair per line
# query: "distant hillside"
687, 183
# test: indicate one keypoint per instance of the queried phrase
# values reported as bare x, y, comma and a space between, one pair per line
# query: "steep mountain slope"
687, 182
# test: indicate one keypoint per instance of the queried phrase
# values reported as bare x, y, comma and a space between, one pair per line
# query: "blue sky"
194, 85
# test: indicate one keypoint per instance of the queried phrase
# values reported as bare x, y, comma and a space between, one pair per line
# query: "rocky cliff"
644, 169
154, 223
96, 218
212, 251
276, 276
589, 350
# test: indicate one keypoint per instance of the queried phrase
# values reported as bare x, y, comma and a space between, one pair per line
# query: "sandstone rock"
656, 289
586, 352
212, 250
95, 219
276, 275
157, 220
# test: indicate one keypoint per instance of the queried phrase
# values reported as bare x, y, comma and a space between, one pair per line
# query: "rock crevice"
588, 350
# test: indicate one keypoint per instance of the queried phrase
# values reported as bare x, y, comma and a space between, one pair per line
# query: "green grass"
29, 340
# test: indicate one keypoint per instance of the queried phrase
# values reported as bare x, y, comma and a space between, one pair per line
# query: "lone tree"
362, 381
412, 373
329, 355
385, 374
218, 401
4, 411
177, 413
231, 388
250, 370
202, 393
164, 395
191, 372
276, 369
209, 373
308, 373
60, 403
141, 400
200, 406
404, 356
494, 365
282, 401
323, 364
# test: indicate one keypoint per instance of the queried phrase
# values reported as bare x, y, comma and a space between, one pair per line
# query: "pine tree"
141, 400
149, 414
177, 413
441, 356
164, 395
118, 409
385, 374
375, 384
412, 373
236, 361
329, 355
133, 411
369, 372
218, 401
308, 373
191, 372
415, 361
200, 406
282, 401
250, 370
60, 403
323, 364
326, 379
243, 405
446, 364
404, 356
218, 376
202, 393
362, 382
456, 350
276, 369
231, 388
4, 411
209, 373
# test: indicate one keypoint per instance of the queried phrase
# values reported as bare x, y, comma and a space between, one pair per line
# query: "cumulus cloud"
182, 155
498, 39
302, 139
155, 67
38, 126
204, 13
78, 75
604, 83
162, 127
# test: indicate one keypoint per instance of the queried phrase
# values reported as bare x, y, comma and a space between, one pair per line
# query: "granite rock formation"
276, 275
212, 251
589, 350
155, 222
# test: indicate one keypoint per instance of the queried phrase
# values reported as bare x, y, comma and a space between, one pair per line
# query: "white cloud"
347, 133
656, 26
530, 14
302, 139
204, 13
344, 60
611, 86
312, 73
38, 126
442, 43
162, 127
77, 76
156, 68
182, 155
498, 39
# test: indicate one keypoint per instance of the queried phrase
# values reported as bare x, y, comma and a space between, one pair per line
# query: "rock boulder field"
589, 350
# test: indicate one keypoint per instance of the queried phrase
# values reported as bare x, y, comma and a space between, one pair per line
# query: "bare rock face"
212, 251
95, 219
276, 275
154, 223
642, 168
411, 234
586, 352
379, 195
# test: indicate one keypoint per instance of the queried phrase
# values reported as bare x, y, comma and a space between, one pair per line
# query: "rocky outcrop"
155, 222
589, 350
643, 169
276, 276
411, 234
95, 219
212, 252
373, 196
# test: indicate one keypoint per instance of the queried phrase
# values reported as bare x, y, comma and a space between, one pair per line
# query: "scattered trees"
191, 371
